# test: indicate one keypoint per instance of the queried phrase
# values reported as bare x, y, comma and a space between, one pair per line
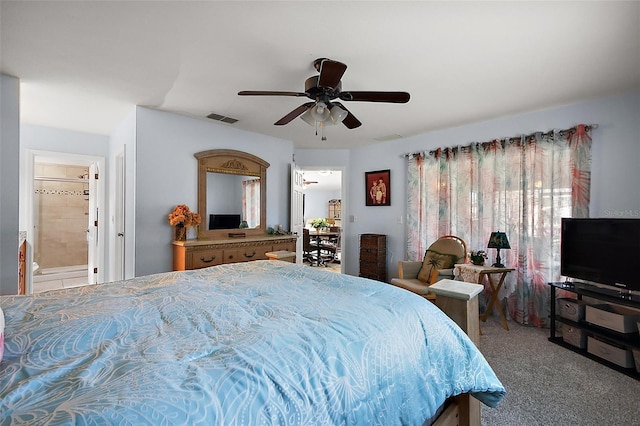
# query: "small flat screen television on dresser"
224, 221
602, 254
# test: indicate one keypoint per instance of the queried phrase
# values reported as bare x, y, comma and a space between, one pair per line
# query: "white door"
297, 215
119, 218
92, 226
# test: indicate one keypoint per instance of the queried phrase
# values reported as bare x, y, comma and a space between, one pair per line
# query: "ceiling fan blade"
293, 114
269, 93
350, 121
393, 97
330, 73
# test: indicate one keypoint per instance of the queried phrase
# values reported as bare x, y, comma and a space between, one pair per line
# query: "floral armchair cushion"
434, 261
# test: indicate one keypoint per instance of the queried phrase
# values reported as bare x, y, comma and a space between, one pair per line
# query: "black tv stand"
628, 341
608, 291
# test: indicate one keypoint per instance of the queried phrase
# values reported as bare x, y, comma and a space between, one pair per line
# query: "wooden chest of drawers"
373, 256
195, 254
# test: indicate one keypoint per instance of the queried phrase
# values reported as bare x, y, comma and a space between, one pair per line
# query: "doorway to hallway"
323, 198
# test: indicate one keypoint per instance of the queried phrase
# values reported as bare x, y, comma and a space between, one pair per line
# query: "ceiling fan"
323, 89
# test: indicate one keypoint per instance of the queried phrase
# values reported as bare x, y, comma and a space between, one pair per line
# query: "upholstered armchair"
417, 276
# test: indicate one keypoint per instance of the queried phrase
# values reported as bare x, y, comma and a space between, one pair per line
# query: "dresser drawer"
196, 254
373, 241
204, 258
373, 255
246, 254
231, 256
372, 266
284, 247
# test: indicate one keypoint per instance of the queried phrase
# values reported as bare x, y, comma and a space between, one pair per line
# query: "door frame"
343, 197
296, 214
120, 191
26, 203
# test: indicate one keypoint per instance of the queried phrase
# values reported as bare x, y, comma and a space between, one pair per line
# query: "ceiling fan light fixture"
320, 112
324, 88
338, 114
306, 116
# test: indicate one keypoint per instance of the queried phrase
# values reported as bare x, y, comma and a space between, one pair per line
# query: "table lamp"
498, 240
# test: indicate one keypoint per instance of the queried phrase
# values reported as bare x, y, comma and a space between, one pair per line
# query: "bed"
263, 342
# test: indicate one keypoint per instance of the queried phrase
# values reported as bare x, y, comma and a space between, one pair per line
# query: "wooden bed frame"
459, 300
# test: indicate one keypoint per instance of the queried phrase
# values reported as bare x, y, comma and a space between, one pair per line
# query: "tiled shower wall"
61, 215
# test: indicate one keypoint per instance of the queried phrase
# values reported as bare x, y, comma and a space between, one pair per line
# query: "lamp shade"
320, 112
308, 118
338, 114
498, 240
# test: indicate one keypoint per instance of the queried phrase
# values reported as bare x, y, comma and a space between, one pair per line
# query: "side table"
475, 274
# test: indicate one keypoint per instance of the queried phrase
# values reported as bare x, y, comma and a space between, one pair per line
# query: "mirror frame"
229, 161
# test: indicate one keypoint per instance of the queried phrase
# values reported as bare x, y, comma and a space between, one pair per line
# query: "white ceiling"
323, 180
84, 65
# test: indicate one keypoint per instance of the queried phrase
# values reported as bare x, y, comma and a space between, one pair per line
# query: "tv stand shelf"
628, 341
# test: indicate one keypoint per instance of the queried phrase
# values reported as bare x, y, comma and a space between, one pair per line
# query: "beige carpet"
550, 385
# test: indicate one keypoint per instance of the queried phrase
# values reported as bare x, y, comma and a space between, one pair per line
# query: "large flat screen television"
603, 253
224, 221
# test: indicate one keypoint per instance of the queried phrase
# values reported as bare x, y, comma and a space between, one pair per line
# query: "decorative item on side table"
182, 218
498, 240
477, 257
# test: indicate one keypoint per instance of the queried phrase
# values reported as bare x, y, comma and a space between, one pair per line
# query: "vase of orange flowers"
182, 218
180, 232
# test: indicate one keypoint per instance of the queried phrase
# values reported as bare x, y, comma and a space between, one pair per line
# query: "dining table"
323, 236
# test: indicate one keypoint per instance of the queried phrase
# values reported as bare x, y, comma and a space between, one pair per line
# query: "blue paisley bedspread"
263, 342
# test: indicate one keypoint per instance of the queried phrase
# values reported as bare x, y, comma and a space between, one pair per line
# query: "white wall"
166, 175
615, 171
63, 141
317, 202
38, 139
9, 173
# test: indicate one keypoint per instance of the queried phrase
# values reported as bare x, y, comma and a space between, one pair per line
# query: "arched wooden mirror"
232, 192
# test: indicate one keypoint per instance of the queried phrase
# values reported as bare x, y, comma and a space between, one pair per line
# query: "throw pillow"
432, 262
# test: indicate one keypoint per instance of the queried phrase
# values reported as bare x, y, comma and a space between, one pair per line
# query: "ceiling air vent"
388, 138
222, 118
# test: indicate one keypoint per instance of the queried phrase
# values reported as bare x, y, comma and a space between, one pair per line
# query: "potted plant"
477, 257
319, 224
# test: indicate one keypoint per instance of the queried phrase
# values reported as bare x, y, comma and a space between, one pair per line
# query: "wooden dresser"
195, 254
373, 256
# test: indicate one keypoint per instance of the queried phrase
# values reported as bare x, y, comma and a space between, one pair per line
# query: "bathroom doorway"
64, 238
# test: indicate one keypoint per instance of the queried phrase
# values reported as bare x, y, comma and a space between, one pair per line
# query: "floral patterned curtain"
251, 202
521, 186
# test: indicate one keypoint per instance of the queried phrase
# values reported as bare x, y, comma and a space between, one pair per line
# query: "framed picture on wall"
378, 188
